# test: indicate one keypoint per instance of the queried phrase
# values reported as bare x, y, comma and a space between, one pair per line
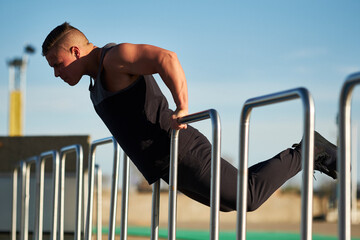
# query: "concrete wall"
15, 149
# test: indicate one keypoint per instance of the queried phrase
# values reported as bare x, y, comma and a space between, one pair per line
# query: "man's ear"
75, 51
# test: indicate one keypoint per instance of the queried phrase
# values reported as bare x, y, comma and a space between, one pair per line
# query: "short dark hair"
54, 36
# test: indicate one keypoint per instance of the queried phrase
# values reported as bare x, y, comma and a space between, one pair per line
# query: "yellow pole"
15, 116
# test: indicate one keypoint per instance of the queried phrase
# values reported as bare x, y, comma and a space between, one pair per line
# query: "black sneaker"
325, 155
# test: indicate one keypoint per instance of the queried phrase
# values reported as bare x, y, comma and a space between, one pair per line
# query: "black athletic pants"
194, 171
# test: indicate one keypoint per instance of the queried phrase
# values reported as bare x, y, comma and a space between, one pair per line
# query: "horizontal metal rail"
344, 156
215, 172
307, 157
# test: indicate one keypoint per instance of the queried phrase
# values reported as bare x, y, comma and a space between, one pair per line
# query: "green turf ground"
224, 235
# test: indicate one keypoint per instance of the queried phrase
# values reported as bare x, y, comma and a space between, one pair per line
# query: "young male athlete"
130, 103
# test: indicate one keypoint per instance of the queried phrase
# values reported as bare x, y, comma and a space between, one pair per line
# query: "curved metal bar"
25, 196
54, 155
307, 157
173, 176
114, 185
344, 156
22, 168
79, 185
215, 171
14, 198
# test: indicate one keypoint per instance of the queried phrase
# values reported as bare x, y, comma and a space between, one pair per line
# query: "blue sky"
230, 51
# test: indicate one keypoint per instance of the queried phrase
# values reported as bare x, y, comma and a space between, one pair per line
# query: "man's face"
64, 64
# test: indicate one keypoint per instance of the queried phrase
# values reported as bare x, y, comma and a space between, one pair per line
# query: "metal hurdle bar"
25, 197
98, 174
344, 156
215, 173
155, 205
14, 200
114, 183
307, 157
54, 155
22, 169
79, 185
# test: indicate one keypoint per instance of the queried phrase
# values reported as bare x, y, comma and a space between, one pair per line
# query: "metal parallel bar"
173, 176
84, 195
215, 172
98, 174
24, 215
155, 211
125, 197
307, 157
79, 185
14, 201
54, 155
344, 156
25, 195
114, 183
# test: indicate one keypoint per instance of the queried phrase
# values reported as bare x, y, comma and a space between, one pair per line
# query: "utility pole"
17, 84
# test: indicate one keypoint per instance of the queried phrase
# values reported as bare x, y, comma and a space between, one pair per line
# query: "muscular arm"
146, 59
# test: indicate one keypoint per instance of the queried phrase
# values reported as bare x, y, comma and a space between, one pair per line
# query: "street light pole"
17, 85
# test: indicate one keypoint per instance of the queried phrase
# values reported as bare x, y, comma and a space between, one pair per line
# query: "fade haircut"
57, 34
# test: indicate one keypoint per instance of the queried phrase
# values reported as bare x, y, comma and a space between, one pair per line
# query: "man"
128, 100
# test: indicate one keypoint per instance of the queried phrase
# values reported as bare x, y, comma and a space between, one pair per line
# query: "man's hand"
174, 119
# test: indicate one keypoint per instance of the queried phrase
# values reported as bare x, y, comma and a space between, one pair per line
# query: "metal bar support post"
344, 156
125, 197
25, 195
14, 201
155, 203
22, 169
54, 155
215, 172
307, 157
98, 174
79, 185
114, 186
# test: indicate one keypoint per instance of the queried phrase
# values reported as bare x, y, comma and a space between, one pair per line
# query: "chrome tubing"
114, 184
307, 157
14, 200
22, 168
344, 156
155, 203
215, 172
125, 197
40, 171
79, 185
25, 195
98, 174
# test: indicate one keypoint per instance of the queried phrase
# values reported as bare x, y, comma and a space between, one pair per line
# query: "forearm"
173, 76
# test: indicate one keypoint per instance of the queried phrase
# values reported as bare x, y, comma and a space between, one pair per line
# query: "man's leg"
264, 177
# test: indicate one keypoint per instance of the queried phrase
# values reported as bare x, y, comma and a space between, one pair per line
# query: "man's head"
63, 36
62, 48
